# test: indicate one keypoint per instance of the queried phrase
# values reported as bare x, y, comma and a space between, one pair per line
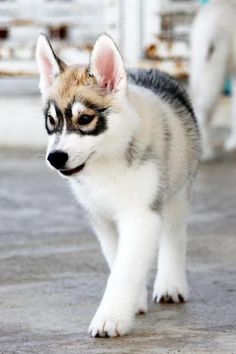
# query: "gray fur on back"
162, 85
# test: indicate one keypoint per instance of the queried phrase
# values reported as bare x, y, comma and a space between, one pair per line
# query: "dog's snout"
58, 159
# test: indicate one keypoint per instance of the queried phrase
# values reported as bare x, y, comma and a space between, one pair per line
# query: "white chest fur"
109, 188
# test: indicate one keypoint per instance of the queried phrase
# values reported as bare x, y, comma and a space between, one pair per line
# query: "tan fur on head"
75, 83
102, 79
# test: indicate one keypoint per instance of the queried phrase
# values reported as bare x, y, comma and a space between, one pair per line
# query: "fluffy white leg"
170, 284
137, 246
108, 237
230, 144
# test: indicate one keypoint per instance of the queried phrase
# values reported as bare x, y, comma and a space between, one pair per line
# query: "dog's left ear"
106, 65
49, 64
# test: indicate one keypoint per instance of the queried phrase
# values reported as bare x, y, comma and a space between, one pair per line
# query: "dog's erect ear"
107, 65
49, 64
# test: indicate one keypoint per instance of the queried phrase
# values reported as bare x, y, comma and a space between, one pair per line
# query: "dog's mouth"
70, 172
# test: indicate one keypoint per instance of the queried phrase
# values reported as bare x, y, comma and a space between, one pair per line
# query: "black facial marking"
95, 107
100, 111
46, 109
58, 112
59, 126
100, 127
68, 111
68, 117
45, 112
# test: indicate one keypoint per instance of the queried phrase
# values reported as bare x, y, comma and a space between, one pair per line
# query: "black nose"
58, 159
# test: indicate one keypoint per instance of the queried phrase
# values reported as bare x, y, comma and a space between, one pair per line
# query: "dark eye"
51, 120
85, 119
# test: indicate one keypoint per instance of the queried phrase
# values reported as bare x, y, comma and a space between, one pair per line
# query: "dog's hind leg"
170, 285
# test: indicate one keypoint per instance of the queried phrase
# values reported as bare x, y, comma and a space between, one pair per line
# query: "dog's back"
172, 114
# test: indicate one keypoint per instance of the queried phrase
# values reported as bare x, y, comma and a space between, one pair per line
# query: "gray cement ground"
53, 274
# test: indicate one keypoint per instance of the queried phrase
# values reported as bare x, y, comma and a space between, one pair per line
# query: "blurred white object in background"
213, 57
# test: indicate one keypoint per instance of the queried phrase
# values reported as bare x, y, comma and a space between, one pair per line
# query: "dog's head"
87, 114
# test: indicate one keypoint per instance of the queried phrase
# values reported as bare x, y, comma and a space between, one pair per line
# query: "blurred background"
152, 33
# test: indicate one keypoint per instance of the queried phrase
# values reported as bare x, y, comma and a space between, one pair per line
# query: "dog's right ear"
49, 64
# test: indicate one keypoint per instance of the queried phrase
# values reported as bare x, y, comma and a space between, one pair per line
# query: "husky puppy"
128, 143
213, 58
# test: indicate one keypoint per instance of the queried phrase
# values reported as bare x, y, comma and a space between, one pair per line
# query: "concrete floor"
53, 274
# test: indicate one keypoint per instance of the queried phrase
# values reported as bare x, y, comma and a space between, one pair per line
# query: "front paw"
170, 290
110, 323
